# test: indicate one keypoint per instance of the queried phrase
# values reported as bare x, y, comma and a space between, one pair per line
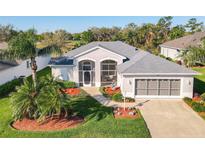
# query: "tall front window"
86, 72
108, 72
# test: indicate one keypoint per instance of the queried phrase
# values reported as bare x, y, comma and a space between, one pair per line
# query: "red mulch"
196, 98
72, 91
111, 91
50, 124
121, 113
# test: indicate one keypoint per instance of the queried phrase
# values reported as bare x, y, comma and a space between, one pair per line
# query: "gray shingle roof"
186, 41
117, 47
144, 63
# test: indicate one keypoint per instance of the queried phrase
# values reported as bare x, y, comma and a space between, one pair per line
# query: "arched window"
108, 72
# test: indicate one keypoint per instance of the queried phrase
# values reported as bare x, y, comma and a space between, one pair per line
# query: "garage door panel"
152, 92
157, 87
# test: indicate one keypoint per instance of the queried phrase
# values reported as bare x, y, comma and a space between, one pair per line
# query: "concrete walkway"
172, 118
96, 94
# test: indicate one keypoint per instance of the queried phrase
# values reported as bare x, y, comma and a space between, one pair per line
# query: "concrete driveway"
172, 118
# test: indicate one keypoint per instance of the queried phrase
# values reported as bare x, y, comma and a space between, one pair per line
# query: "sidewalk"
96, 94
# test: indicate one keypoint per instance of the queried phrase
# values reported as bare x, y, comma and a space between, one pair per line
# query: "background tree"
194, 26
7, 32
177, 32
25, 46
87, 36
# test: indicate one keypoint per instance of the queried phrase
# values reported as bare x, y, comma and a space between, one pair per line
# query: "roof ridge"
133, 61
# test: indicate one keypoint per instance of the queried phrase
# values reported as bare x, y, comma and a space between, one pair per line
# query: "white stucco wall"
128, 87
63, 72
170, 52
22, 70
98, 55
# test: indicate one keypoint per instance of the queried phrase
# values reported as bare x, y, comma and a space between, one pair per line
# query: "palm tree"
23, 102
27, 45
58, 101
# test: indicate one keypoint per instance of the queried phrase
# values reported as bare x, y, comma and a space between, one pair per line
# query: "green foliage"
24, 102
198, 107
193, 56
10, 86
7, 32
102, 90
87, 36
46, 100
188, 100
118, 97
203, 97
177, 32
194, 26
99, 123
68, 84
51, 100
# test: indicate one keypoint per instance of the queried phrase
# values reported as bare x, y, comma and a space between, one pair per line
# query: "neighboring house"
173, 48
11, 70
140, 74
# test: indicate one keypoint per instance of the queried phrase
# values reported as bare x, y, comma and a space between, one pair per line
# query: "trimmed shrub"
129, 99
9, 87
69, 84
198, 107
188, 100
117, 97
203, 97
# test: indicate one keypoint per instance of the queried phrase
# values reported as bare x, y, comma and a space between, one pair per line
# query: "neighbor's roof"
61, 61
146, 63
186, 41
118, 47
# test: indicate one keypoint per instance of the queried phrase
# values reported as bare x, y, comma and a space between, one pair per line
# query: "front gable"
100, 54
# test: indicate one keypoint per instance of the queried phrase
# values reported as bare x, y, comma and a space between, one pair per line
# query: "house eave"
159, 74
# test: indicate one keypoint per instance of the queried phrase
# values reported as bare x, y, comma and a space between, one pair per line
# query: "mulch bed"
111, 91
50, 124
72, 91
126, 113
196, 98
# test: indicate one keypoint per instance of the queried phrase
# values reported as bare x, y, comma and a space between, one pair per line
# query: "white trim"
164, 46
160, 74
109, 58
85, 59
98, 47
61, 65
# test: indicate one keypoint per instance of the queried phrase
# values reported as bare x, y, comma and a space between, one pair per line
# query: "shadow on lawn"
89, 108
199, 86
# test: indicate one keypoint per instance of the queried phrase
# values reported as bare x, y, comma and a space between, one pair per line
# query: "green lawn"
199, 81
99, 121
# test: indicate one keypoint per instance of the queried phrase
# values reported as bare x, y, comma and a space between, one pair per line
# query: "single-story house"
139, 74
173, 48
10, 70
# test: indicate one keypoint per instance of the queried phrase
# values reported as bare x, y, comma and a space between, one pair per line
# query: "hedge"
9, 87
198, 107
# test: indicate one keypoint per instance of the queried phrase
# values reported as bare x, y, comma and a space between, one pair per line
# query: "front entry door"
86, 79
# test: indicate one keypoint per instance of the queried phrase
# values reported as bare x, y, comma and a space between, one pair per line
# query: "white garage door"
160, 87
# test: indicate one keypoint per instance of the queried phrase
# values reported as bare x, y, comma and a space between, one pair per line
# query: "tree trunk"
34, 68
